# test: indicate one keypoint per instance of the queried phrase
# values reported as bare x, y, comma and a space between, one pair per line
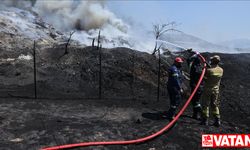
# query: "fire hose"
143, 139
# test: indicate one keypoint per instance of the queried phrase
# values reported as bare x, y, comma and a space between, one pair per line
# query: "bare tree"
160, 29
68, 42
93, 42
99, 39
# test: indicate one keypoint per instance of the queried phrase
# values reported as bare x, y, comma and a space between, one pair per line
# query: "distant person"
195, 70
210, 96
174, 87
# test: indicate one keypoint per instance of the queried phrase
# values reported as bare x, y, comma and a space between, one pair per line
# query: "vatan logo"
226, 140
207, 140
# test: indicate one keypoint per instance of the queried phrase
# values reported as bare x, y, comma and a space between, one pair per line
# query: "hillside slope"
129, 108
69, 108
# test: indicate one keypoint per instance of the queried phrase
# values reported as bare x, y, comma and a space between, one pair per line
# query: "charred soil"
69, 111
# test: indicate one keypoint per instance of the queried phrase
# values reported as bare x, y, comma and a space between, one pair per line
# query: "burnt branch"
160, 29
68, 42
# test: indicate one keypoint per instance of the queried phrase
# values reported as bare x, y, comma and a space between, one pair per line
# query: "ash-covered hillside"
124, 73
125, 79
19, 28
78, 74
129, 108
74, 75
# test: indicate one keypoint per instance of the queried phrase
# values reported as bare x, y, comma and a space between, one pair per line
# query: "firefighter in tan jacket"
210, 96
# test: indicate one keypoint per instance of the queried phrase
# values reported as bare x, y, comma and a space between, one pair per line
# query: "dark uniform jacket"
175, 78
195, 69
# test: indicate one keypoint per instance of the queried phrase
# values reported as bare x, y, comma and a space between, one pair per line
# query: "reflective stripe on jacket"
175, 77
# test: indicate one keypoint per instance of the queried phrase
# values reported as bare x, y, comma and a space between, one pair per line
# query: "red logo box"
226, 140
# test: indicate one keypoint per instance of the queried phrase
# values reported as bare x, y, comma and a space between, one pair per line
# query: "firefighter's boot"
197, 113
204, 121
217, 122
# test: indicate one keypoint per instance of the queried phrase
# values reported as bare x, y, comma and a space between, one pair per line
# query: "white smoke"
80, 15
69, 15
16, 3
86, 17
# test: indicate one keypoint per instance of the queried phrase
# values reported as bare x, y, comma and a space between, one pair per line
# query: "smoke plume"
72, 14
80, 15
16, 3
86, 17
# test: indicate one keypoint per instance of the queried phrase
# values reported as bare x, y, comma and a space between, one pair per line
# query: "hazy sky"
214, 21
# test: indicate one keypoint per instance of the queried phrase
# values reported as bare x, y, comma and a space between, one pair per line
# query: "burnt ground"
68, 109
46, 123
129, 78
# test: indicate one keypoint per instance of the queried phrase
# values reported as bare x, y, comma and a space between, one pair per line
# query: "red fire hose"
140, 140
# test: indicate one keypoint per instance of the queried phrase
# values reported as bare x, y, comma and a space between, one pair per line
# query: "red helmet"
178, 60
